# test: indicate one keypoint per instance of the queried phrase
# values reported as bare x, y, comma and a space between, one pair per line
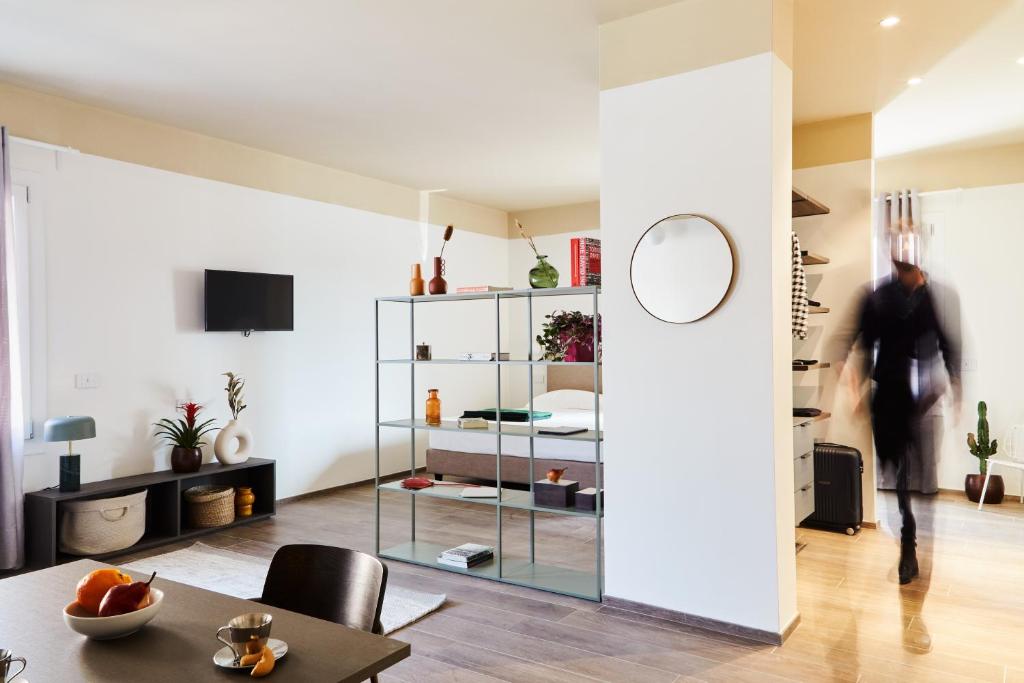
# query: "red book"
574, 260
589, 261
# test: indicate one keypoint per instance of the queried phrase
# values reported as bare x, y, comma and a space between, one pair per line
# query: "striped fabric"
799, 296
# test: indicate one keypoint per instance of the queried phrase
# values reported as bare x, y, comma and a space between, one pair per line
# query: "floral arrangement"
185, 432
236, 399
569, 336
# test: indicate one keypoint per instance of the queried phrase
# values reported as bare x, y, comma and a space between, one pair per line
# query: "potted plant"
983, 449
569, 336
233, 431
185, 434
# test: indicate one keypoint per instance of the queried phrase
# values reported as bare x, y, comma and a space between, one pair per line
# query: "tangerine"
94, 585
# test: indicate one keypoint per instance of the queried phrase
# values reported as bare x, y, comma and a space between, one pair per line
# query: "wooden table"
178, 644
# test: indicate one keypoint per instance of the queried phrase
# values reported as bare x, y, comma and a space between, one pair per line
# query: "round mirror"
681, 268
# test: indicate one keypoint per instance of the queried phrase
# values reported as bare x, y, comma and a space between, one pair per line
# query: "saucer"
225, 657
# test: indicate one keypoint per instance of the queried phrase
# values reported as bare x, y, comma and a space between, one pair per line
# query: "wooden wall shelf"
810, 259
166, 518
804, 205
818, 310
817, 366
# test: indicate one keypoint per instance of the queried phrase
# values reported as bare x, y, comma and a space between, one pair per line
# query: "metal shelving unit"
519, 571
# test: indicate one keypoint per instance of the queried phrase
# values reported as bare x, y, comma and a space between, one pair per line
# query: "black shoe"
908, 563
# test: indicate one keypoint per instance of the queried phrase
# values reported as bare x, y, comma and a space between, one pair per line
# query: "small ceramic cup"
247, 633
7, 659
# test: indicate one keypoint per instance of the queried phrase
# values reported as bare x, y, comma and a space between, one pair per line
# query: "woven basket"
210, 506
90, 527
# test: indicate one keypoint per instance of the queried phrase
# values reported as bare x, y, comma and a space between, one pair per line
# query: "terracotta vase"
973, 483
185, 460
437, 283
416, 283
244, 498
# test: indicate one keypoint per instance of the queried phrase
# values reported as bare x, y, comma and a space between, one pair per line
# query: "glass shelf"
510, 498
509, 294
515, 571
460, 361
507, 429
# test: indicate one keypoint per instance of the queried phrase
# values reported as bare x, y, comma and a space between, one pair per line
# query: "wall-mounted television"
243, 302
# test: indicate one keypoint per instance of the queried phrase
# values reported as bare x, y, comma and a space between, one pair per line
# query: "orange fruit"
94, 586
265, 665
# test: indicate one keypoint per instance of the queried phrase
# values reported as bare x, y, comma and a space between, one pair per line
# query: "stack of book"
585, 260
466, 555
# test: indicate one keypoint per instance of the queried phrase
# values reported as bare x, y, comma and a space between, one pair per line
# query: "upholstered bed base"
514, 469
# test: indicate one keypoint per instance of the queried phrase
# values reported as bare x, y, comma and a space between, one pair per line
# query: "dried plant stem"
522, 231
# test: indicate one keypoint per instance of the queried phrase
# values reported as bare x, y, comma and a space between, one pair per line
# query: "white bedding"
469, 441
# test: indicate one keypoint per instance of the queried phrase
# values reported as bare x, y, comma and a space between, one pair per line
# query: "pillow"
564, 399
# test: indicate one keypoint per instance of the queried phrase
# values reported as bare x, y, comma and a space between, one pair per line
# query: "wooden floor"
962, 620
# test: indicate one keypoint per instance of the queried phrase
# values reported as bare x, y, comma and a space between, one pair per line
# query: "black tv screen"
238, 301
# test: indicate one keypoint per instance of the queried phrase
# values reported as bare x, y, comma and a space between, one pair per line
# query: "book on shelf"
479, 492
476, 289
484, 355
585, 261
466, 555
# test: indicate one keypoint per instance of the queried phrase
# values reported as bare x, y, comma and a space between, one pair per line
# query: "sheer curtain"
12, 528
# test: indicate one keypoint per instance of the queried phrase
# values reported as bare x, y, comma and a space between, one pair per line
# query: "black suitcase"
838, 496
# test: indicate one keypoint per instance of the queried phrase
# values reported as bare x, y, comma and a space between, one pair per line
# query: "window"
30, 291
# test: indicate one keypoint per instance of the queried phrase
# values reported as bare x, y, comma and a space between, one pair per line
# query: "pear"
125, 598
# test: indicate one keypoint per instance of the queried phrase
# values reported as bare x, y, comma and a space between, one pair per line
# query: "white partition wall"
699, 472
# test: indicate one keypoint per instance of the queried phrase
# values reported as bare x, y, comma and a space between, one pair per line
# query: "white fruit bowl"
105, 628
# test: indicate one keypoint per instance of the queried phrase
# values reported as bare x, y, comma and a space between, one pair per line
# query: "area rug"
231, 573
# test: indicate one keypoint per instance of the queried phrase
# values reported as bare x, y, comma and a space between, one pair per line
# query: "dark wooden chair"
335, 584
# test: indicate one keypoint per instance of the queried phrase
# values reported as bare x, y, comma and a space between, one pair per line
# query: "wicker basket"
210, 506
91, 527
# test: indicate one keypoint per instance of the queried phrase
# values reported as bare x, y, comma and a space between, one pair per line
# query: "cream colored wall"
832, 141
553, 220
647, 46
109, 134
844, 236
949, 169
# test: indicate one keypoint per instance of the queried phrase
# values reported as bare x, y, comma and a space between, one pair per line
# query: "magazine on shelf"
441, 559
467, 551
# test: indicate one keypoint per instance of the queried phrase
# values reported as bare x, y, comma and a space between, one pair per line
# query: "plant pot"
185, 460
224, 445
973, 483
579, 353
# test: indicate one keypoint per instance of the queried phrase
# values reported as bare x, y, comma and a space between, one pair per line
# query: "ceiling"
494, 100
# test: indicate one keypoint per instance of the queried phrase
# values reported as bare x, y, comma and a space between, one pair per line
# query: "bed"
471, 455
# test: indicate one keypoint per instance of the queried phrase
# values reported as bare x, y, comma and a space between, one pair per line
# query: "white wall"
126, 247
976, 248
844, 236
700, 471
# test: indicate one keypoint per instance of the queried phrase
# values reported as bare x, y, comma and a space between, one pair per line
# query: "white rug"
242, 576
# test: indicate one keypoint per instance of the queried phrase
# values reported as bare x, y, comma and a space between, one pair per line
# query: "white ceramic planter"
224, 446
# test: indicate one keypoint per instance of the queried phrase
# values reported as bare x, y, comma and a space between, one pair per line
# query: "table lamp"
69, 428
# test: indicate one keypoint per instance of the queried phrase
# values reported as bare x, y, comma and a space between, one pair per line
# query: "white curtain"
12, 531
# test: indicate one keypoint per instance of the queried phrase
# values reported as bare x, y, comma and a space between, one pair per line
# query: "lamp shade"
69, 428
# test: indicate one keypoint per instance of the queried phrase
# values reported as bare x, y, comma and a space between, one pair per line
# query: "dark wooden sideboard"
166, 519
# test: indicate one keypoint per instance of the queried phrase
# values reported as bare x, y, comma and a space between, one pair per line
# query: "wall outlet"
87, 380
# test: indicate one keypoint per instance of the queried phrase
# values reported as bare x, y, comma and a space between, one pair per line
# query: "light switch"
87, 380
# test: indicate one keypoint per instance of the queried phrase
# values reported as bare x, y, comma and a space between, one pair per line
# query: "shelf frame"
588, 585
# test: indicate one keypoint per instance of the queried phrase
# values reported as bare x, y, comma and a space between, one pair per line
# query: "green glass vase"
543, 275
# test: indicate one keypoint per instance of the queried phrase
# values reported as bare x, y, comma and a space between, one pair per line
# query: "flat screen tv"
242, 302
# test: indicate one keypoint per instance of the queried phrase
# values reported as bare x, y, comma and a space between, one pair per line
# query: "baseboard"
341, 487
869, 525
714, 625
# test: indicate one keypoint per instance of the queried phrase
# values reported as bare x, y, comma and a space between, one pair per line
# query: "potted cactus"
983, 449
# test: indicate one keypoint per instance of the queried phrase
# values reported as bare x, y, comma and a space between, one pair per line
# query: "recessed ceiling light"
1020, 60
889, 22
914, 81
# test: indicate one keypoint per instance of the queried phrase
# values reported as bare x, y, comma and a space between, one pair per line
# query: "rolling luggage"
838, 497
